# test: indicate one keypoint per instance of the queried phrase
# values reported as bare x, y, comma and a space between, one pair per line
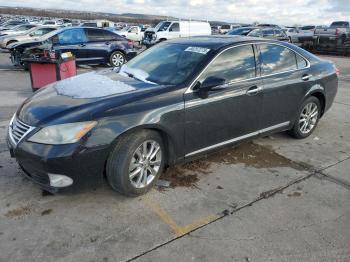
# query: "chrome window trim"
190, 88
236, 139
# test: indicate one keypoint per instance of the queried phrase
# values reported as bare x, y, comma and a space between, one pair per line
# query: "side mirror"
170, 29
210, 83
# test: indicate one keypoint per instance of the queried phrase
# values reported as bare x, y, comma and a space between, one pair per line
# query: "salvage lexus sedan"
173, 102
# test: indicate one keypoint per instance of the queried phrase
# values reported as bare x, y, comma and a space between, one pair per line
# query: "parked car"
306, 34
225, 29
292, 34
334, 36
173, 102
133, 33
269, 26
98, 23
18, 29
89, 46
10, 24
31, 35
270, 33
174, 29
241, 31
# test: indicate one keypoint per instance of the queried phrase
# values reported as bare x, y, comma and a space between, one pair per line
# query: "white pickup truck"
134, 33
334, 35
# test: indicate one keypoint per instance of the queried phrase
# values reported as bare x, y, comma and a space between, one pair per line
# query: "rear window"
308, 28
95, 35
340, 23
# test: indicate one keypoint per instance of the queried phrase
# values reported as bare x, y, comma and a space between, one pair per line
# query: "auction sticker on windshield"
197, 49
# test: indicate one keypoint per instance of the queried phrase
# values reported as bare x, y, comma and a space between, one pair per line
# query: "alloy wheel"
308, 118
118, 59
145, 164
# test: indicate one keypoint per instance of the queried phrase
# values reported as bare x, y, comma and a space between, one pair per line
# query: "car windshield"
255, 32
162, 26
167, 64
238, 31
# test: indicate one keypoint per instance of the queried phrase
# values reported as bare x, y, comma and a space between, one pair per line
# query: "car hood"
25, 43
82, 98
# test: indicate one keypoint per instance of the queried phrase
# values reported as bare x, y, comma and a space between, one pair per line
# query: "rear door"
72, 40
286, 79
97, 45
231, 112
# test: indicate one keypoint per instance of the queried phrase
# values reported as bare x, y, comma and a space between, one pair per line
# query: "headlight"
62, 134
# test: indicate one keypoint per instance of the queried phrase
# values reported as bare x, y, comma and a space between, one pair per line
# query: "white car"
174, 29
133, 33
292, 34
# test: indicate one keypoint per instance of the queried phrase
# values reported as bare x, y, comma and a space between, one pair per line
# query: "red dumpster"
44, 71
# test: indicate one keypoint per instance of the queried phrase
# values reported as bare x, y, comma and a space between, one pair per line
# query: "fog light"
60, 180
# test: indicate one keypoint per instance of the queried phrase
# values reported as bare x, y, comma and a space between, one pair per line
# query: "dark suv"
89, 46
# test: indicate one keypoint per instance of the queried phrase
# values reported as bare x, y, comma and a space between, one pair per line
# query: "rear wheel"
136, 163
117, 59
307, 120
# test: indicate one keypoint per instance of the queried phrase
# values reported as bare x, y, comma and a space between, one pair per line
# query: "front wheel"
136, 162
117, 59
307, 120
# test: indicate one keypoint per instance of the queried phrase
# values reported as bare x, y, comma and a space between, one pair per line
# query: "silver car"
18, 29
27, 35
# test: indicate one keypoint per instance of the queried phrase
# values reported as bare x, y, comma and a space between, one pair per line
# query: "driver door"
229, 112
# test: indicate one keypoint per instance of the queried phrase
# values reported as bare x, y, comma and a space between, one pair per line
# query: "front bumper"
85, 166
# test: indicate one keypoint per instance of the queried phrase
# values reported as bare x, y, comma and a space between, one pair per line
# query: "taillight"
337, 71
337, 31
130, 42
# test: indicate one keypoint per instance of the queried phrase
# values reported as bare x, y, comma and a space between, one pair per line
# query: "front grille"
18, 130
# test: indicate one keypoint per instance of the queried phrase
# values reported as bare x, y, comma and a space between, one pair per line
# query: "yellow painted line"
167, 219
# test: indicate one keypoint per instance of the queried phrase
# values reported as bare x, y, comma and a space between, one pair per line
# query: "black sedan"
173, 102
89, 46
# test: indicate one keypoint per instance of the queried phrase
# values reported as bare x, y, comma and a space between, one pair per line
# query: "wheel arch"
169, 143
318, 92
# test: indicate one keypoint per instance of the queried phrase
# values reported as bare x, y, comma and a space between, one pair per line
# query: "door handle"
253, 90
107, 43
306, 77
82, 45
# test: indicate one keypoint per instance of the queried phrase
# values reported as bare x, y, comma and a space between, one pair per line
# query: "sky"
288, 12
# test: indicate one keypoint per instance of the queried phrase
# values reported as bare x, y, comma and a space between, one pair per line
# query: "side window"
72, 36
301, 62
268, 32
235, 64
276, 59
175, 27
109, 36
95, 35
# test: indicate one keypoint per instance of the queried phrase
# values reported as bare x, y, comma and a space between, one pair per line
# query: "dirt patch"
249, 154
18, 212
294, 194
253, 155
46, 212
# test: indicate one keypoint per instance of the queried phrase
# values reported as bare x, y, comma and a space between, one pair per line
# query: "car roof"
216, 41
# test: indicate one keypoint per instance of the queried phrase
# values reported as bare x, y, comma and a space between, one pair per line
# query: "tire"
290, 39
117, 59
127, 160
307, 118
